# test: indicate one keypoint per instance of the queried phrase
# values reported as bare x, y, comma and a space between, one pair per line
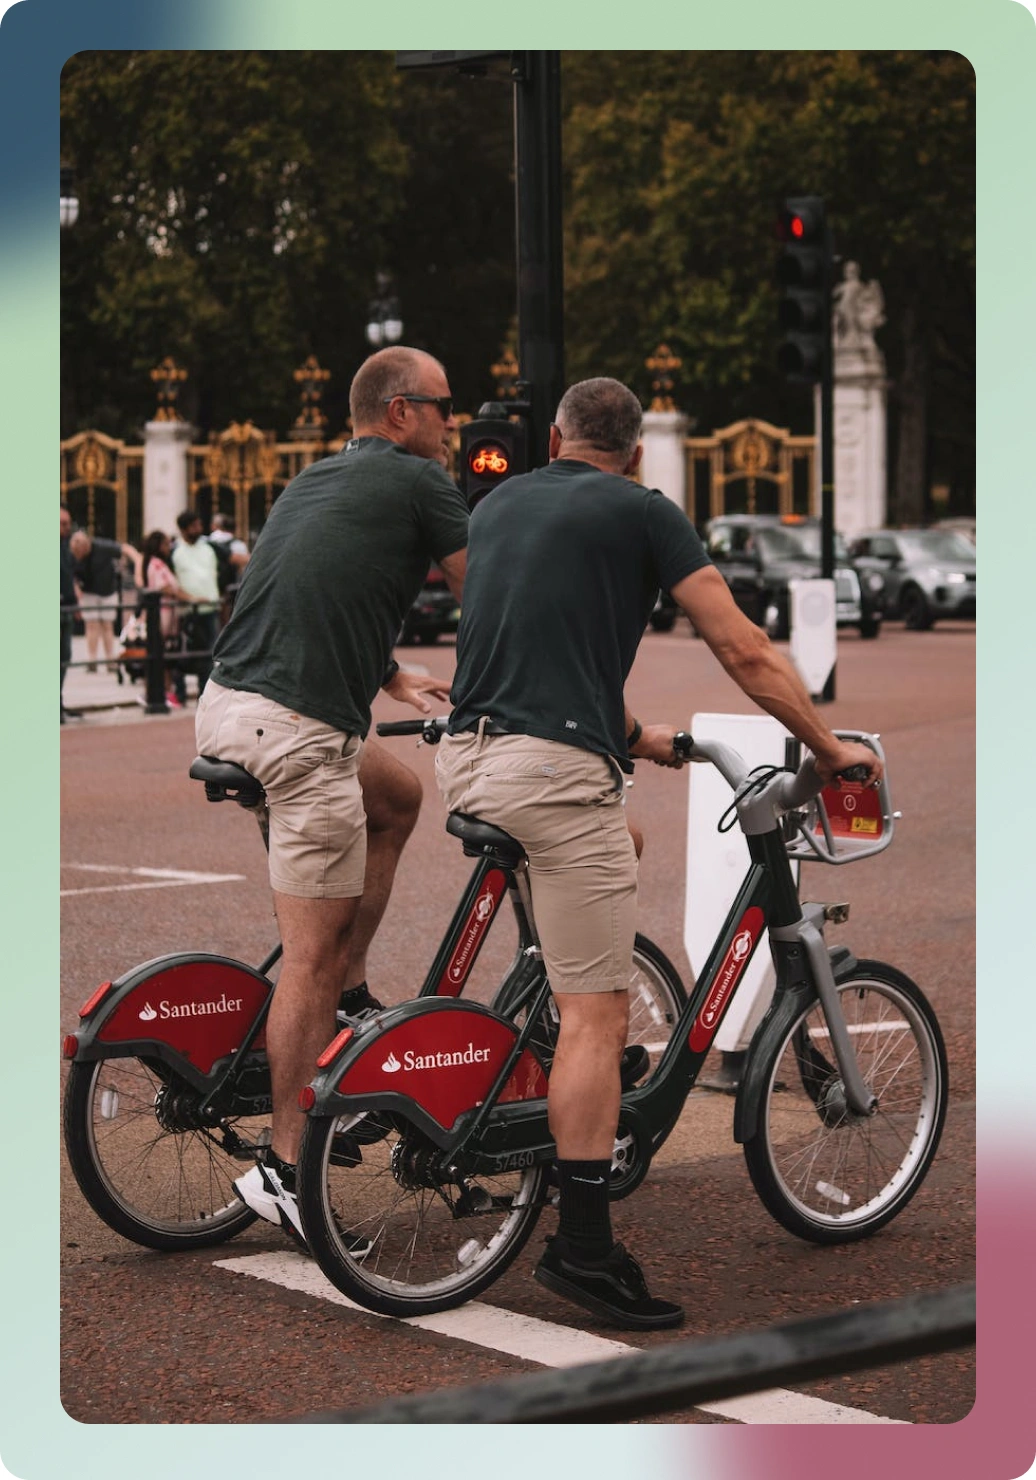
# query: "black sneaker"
612, 1288
357, 1004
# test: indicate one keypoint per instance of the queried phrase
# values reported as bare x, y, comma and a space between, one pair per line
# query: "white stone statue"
859, 309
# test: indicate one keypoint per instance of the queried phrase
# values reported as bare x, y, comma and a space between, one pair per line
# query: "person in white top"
197, 570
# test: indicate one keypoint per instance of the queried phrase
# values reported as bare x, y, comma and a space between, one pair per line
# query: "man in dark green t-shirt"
321, 601
564, 565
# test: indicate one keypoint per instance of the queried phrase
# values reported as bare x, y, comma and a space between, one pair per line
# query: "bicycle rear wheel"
142, 1167
435, 1243
825, 1173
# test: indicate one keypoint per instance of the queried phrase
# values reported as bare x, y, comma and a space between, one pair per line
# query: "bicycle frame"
491, 1136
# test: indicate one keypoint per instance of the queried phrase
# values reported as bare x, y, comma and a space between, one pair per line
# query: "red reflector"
334, 1048
69, 1044
92, 1002
307, 1098
798, 226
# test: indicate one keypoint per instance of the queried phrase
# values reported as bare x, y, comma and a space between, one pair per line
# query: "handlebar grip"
854, 773
401, 727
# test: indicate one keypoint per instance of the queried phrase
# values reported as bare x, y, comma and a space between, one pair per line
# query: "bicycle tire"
825, 1174
424, 1258
657, 997
164, 1188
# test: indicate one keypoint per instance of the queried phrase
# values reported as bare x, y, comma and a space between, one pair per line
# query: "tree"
676, 163
234, 209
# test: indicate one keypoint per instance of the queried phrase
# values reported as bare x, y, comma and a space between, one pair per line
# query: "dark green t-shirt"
564, 565
333, 573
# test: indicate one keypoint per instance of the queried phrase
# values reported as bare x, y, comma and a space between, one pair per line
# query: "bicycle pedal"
633, 1065
345, 1151
473, 1200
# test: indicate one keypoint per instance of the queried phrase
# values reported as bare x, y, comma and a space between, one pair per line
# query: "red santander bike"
427, 1124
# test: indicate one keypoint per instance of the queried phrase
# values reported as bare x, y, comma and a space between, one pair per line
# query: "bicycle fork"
807, 933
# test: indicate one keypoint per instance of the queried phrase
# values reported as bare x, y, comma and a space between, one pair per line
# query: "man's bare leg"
314, 933
392, 800
583, 1092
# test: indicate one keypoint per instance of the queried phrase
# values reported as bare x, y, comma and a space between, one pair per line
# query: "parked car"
961, 523
929, 573
434, 611
759, 554
664, 613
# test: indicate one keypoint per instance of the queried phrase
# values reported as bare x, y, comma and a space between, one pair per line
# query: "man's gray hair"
389, 372
603, 413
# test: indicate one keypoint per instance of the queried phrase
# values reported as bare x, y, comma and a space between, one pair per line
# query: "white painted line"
533, 1340
164, 878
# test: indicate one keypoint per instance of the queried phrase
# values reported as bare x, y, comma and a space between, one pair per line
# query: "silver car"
929, 573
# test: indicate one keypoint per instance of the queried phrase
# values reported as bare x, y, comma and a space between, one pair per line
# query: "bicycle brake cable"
757, 779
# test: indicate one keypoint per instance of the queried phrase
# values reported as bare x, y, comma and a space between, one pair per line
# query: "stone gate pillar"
664, 464
166, 440
860, 401
165, 473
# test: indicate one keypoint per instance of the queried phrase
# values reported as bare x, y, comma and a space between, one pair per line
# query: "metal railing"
155, 658
689, 1373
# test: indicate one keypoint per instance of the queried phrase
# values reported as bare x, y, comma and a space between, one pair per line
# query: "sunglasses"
444, 403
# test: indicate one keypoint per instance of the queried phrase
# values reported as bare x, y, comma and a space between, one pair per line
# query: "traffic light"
492, 448
804, 274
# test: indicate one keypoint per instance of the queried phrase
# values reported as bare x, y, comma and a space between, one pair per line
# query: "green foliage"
237, 206
676, 164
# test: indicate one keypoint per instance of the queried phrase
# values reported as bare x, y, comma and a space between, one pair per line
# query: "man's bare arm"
763, 673
453, 568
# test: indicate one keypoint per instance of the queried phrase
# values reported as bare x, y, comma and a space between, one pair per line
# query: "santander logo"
727, 978
474, 930
148, 1014
440, 1060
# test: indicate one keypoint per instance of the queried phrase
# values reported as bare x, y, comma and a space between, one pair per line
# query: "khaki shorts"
318, 828
565, 807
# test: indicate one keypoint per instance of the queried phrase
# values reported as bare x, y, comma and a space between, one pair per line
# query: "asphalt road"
217, 1346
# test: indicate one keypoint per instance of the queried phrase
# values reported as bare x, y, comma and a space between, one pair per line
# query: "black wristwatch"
634, 734
390, 672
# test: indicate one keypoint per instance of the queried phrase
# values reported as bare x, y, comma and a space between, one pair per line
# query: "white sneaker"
262, 1190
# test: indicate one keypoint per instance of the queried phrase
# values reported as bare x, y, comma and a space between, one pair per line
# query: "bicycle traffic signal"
492, 448
804, 274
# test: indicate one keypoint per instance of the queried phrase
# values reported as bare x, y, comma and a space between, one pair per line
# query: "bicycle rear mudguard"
190, 1010
432, 1060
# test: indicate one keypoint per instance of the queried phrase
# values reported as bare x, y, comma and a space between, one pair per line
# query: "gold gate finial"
311, 424
168, 378
505, 373
661, 364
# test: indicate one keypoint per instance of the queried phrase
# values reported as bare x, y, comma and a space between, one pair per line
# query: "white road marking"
160, 878
533, 1340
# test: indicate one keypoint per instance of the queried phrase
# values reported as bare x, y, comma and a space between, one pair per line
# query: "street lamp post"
69, 199
384, 325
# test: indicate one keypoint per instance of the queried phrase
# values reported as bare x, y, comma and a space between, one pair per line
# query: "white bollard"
717, 863
814, 631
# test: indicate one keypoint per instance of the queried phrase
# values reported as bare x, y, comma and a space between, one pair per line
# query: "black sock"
584, 1220
285, 1169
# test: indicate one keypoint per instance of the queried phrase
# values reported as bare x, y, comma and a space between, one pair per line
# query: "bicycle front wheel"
825, 1173
392, 1235
144, 1167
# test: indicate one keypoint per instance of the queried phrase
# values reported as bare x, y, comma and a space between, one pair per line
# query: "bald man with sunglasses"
333, 573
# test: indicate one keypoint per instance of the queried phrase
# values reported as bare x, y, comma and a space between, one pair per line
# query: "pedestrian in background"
69, 598
158, 576
197, 570
99, 580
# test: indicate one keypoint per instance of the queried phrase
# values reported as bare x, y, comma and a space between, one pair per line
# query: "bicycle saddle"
225, 781
481, 838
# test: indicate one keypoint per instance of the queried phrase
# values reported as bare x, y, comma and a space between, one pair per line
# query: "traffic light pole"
537, 151
827, 444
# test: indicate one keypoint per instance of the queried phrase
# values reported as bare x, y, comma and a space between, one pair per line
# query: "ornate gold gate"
750, 467
241, 470
102, 484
